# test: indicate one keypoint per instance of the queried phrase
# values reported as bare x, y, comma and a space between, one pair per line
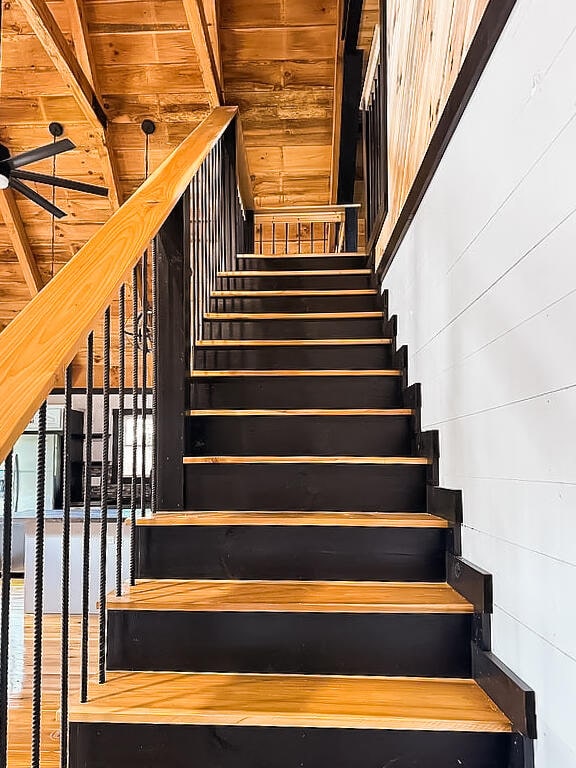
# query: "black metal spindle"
286, 237
260, 238
86, 521
311, 237
38, 589
155, 372
65, 618
299, 236
134, 484
324, 237
273, 237
104, 499
5, 608
144, 397
120, 456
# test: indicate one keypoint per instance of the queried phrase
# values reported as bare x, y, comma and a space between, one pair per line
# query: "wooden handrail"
45, 336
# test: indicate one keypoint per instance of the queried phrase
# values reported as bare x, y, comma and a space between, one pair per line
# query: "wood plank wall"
427, 44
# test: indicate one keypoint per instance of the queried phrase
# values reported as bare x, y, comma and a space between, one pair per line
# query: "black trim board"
487, 35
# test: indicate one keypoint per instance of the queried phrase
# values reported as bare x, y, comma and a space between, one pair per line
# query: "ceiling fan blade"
56, 181
36, 198
40, 153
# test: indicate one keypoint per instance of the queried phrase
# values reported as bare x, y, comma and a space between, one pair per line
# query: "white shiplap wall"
485, 288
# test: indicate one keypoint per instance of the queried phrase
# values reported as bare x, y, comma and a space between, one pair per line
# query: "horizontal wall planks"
278, 61
292, 701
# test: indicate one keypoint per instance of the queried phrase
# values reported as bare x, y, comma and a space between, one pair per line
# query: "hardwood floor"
20, 680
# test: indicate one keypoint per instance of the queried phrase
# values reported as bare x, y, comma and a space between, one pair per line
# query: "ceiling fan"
12, 176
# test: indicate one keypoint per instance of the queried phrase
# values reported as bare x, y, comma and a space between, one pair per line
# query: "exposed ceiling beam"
81, 38
203, 46
60, 53
20, 243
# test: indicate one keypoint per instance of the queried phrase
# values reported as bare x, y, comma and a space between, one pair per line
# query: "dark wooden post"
173, 353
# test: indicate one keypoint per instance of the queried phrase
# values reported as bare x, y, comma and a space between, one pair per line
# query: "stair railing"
109, 323
306, 229
374, 140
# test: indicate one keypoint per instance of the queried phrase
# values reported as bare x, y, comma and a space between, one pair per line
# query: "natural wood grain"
82, 41
278, 61
304, 412
291, 372
242, 169
250, 316
52, 39
427, 44
290, 596
383, 460
194, 10
45, 336
21, 244
20, 680
207, 343
346, 519
249, 294
293, 701
304, 272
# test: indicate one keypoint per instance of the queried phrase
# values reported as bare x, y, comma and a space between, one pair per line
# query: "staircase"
298, 613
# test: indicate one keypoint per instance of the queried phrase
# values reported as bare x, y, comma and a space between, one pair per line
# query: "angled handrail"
44, 337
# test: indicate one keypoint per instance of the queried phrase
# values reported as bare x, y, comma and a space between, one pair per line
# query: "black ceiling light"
11, 175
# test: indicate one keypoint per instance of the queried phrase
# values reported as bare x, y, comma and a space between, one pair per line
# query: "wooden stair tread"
408, 460
292, 701
297, 272
329, 292
292, 372
290, 342
371, 314
264, 596
324, 255
303, 412
346, 519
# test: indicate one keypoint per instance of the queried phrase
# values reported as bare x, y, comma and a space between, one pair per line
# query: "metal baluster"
260, 238
5, 603
65, 631
120, 457
324, 237
134, 486
144, 398
273, 237
104, 500
299, 237
311, 237
286, 237
86, 521
155, 372
38, 589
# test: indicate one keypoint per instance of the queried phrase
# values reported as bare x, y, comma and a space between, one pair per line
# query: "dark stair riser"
308, 328
107, 745
289, 282
300, 358
324, 553
305, 487
297, 435
303, 263
296, 392
358, 303
409, 645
